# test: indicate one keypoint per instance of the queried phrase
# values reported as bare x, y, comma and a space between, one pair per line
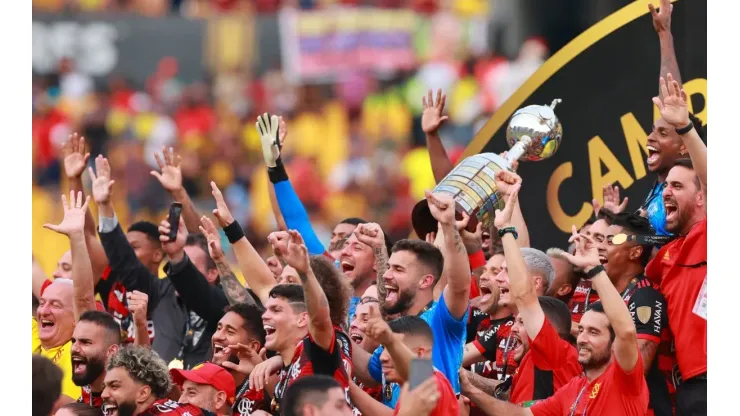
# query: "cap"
209, 374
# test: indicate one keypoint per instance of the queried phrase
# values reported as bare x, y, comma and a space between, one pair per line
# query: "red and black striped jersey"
90, 398
170, 408
250, 401
493, 340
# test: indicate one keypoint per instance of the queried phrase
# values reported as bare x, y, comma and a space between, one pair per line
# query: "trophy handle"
518, 150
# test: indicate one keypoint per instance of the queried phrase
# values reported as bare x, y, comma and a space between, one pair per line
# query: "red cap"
208, 374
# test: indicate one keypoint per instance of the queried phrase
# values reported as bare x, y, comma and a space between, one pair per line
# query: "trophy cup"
534, 133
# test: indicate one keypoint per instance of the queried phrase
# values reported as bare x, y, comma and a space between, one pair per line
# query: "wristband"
593, 272
278, 173
507, 230
684, 130
234, 232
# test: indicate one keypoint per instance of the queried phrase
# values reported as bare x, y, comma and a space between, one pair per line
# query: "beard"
127, 409
597, 359
403, 303
94, 367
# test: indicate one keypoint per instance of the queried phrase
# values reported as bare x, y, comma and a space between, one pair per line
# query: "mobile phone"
421, 370
174, 219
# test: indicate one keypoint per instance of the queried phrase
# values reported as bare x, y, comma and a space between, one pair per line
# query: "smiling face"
55, 315
122, 393
598, 232
664, 147
340, 232
502, 280
202, 395
230, 331
420, 347
358, 325
594, 340
64, 266
283, 324
89, 352
357, 262
403, 279
489, 288
683, 200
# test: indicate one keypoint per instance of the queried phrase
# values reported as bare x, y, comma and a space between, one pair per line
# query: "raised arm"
625, 343
662, 25
137, 305
674, 110
456, 265
377, 329
171, 180
73, 226
488, 404
233, 289
431, 120
272, 131
75, 160
372, 235
521, 287
254, 269
319, 316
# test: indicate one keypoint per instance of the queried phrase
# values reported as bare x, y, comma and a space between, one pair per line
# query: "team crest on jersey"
245, 407
595, 391
643, 313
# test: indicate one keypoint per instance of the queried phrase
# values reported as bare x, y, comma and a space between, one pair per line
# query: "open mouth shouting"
221, 352
79, 364
391, 293
347, 266
269, 334
671, 209
356, 336
110, 409
653, 156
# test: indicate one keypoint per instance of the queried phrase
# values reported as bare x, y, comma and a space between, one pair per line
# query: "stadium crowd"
151, 319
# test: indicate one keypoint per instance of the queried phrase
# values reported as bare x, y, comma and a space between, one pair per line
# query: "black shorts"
691, 397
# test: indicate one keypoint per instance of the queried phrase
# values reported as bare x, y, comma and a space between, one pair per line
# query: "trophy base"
424, 222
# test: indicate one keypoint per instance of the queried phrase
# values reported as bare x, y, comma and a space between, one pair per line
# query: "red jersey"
374, 392
583, 296
249, 400
113, 294
310, 359
447, 403
494, 342
171, 408
550, 363
616, 392
91, 398
680, 269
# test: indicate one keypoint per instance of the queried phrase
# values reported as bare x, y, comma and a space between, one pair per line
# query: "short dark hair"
599, 307
82, 409
688, 164
252, 317
426, 253
293, 294
105, 321
412, 326
335, 286
199, 240
312, 389
634, 224
148, 228
353, 221
46, 380
557, 313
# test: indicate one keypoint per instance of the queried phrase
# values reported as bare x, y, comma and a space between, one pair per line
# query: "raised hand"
370, 234
248, 359
267, 127
611, 201
377, 328
503, 217
279, 241
282, 132
222, 213
506, 180
586, 254
74, 215
214, 238
75, 157
674, 106
662, 18
442, 207
473, 241
169, 164
421, 401
102, 185
260, 376
137, 305
296, 255
174, 249
431, 117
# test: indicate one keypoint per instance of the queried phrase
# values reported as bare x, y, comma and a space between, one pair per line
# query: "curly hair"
335, 287
144, 366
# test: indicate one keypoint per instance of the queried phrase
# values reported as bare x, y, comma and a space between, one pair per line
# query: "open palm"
214, 238
296, 255
222, 213
169, 164
74, 214
674, 106
102, 185
431, 117
75, 158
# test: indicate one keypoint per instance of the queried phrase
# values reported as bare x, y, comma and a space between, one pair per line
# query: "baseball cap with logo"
209, 374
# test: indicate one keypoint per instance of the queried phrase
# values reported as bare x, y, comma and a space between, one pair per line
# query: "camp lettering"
605, 168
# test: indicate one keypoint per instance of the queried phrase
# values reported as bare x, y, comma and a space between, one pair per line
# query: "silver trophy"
534, 133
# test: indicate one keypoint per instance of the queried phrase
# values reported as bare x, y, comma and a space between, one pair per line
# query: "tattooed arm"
662, 25
381, 265
486, 384
233, 289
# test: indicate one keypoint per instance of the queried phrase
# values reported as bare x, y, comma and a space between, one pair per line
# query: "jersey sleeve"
549, 351
631, 383
648, 309
487, 344
374, 367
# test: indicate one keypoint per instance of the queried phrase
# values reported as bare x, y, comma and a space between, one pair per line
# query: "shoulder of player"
646, 294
